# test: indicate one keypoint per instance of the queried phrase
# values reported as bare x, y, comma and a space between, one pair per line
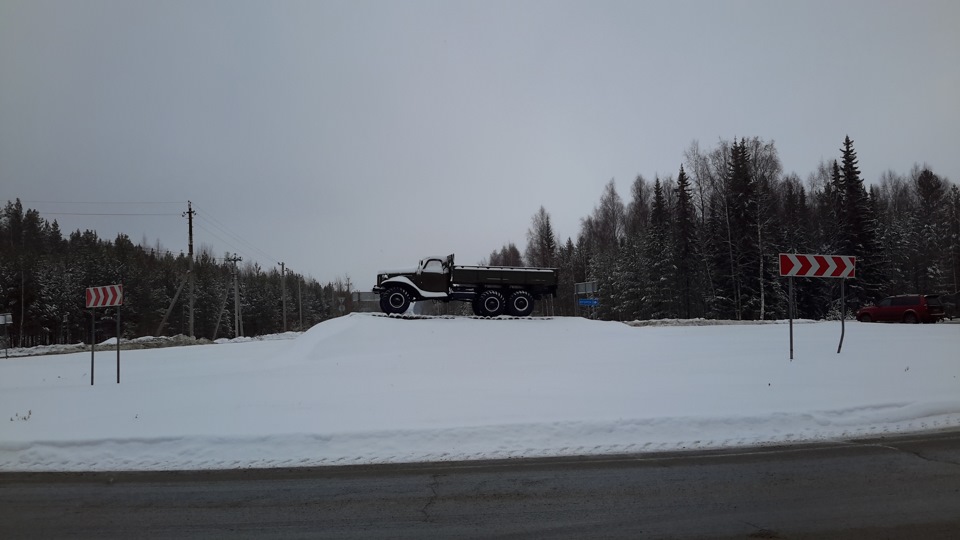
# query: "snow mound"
374, 389
711, 322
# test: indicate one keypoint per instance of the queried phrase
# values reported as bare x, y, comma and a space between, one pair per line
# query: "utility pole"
23, 285
300, 300
189, 215
350, 294
236, 296
283, 293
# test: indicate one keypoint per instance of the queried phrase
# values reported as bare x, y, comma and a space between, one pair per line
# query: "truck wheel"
492, 303
520, 304
395, 300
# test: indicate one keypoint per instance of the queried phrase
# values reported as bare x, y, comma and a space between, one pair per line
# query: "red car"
907, 308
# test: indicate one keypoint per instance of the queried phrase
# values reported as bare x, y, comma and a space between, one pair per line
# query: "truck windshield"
433, 266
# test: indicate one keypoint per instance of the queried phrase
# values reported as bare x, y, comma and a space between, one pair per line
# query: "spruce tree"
858, 231
717, 255
953, 242
930, 234
659, 257
566, 278
684, 242
541, 241
743, 249
632, 279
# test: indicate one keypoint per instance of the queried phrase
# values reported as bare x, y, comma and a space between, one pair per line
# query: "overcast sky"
345, 137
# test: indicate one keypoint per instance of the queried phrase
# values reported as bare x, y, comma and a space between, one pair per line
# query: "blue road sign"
590, 302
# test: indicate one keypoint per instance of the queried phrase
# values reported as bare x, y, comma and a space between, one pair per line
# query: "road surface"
904, 487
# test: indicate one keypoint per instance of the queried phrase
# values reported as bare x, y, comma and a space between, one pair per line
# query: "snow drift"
376, 389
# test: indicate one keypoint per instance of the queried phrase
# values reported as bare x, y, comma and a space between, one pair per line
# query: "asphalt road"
907, 487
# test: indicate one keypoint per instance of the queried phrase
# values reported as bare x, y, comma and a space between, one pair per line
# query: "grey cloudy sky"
343, 137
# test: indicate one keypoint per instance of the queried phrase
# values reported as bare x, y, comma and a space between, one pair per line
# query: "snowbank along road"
366, 389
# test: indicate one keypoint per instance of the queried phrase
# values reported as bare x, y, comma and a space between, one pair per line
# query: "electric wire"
237, 239
213, 221
104, 202
221, 239
200, 213
106, 214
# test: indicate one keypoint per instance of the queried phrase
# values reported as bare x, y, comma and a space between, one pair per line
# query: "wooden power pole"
283, 293
236, 297
189, 215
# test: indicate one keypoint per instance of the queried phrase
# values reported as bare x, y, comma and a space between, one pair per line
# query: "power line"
104, 202
106, 214
202, 214
227, 242
158, 252
209, 218
108, 203
153, 252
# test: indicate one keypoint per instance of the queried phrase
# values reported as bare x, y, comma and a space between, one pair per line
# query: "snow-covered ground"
376, 389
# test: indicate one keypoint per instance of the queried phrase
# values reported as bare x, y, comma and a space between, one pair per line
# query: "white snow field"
368, 388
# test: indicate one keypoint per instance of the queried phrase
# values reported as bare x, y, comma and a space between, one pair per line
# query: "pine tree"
508, 255
631, 280
607, 226
929, 233
765, 170
684, 245
602, 235
659, 256
603, 270
541, 241
858, 231
953, 241
511, 255
638, 211
741, 201
566, 278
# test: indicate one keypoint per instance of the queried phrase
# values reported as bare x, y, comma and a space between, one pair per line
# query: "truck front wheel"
492, 303
520, 304
395, 300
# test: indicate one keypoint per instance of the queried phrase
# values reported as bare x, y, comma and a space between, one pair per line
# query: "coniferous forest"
701, 244
705, 243
44, 276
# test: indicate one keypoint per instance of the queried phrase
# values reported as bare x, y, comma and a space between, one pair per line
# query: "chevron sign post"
827, 266
824, 266
108, 296
98, 297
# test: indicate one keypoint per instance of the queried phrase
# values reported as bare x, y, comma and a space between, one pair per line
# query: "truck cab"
430, 280
433, 275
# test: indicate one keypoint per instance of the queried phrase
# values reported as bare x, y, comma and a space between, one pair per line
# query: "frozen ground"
375, 389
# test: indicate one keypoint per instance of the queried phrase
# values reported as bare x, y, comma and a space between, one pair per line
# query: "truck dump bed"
499, 275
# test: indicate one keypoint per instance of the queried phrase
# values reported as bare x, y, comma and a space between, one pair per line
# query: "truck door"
433, 276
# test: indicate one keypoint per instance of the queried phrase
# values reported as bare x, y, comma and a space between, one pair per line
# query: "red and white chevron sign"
829, 266
106, 296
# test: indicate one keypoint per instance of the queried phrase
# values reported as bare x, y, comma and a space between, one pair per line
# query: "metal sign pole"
6, 334
118, 344
105, 296
843, 312
790, 308
825, 266
93, 340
